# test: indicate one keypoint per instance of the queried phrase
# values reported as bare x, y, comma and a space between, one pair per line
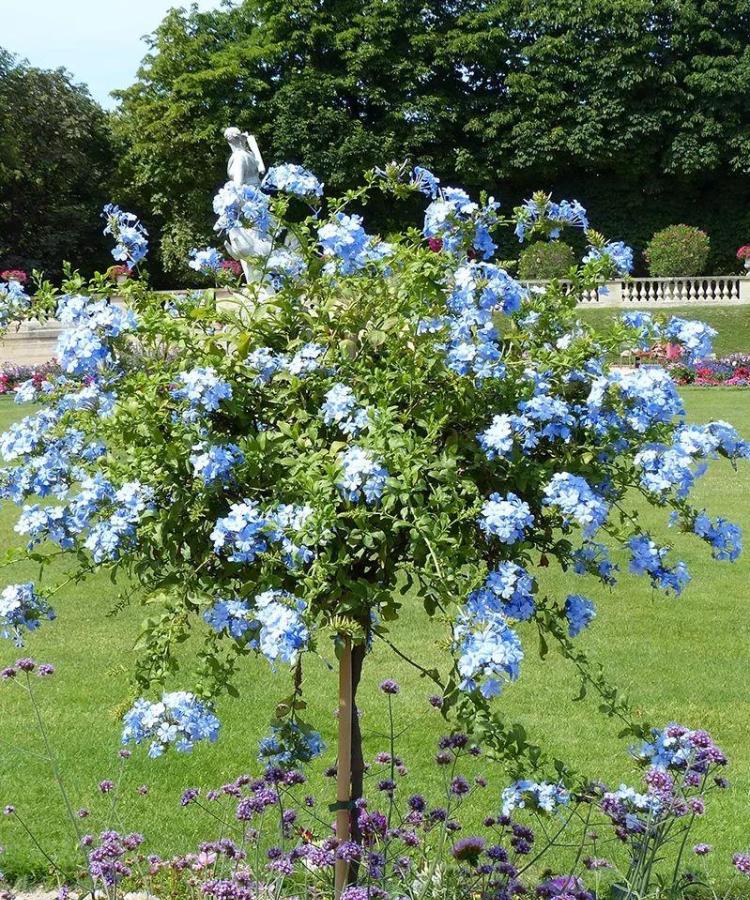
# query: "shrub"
676, 251
542, 260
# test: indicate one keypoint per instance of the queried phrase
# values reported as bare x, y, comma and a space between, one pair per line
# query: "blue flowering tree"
365, 425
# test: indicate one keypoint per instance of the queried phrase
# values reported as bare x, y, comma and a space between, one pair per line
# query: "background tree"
55, 162
636, 107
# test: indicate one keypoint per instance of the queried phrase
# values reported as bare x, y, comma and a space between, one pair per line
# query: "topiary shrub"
542, 260
678, 250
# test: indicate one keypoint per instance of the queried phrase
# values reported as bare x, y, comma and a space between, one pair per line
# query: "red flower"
14, 275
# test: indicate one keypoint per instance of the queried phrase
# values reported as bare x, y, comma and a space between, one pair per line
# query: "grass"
684, 660
731, 322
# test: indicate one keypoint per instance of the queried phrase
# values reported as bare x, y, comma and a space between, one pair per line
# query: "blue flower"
247, 531
283, 265
179, 720
542, 211
541, 796
340, 408
579, 612
289, 744
215, 462
457, 221
242, 206
307, 359
489, 653
361, 474
293, 179
643, 323
696, 338
650, 398
507, 591
128, 232
547, 417
236, 617
21, 609
13, 302
725, 537
427, 183
575, 499
107, 537
202, 388
25, 437
347, 245
506, 518
616, 252
648, 559
207, 260
83, 348
593, 559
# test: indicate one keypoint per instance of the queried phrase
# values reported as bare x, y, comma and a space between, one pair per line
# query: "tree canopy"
55, 162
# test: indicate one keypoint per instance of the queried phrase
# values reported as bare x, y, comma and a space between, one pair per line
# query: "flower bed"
729, 371
11, 376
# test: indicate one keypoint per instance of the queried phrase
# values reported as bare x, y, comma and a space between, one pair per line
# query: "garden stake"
344, 766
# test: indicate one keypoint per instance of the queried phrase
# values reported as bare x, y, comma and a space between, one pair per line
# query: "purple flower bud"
389, 686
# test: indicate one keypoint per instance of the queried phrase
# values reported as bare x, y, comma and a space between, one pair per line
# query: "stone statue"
245, 167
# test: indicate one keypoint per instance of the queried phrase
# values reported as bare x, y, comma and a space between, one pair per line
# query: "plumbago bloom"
179, 719
21, 610
365, 421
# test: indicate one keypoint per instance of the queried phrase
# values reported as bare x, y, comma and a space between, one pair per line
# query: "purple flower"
702, 849
45, 670
189, 795
459, 786
9, 810
8, 673
26, 664
468, 849
106, 786
436, 701
348, 851
742, 863
389, 686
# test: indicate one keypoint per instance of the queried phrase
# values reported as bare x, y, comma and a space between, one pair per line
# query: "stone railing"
653, 292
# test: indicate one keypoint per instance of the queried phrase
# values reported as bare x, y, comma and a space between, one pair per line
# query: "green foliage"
542, 260
635, 107
55, 161
678, 250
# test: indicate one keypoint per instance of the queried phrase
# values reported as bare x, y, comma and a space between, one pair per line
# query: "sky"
99, 41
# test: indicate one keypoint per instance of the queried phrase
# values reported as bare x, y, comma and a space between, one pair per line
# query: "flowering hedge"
365, 425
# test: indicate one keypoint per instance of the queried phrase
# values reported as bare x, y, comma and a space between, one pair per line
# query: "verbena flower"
178, 720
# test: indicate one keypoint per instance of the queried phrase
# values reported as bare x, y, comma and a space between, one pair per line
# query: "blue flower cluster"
459, 223
425, 181
665, 469
247, 531
695, 338
574, 498
272, 624
128, 232
579, 612
649, 395
283, 265
214, 462
362, 474
289, 745
107, 537
348, 247
489, 652
541, 210
341, 408
21, 609
178, 720
13, 302
205, 261
239, 206
293, 179
592, 558
83, 348
618, 254
480, 290
724, 537
267, 362
506, 518
648, 559
203, 390
541, 796
507, 591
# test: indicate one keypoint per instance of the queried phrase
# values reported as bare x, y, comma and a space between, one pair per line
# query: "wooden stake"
344, 766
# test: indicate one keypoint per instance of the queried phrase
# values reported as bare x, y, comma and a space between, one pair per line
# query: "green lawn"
684, 659
731, 322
